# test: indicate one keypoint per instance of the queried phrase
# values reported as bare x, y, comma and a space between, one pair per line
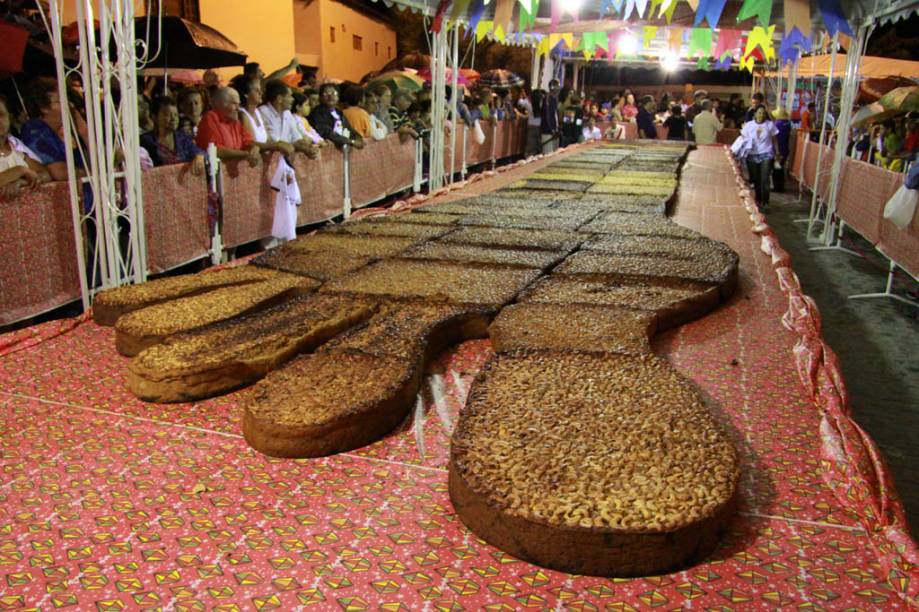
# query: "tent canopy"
869, 68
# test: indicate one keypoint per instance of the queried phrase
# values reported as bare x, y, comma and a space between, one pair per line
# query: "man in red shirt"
221, 126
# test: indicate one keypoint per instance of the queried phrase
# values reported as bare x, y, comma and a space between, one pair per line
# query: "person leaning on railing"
42, 133
330, 122
282, 127
222, 127
166, 143
398, 114
20, 168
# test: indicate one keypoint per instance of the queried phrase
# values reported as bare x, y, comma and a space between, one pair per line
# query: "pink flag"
728, 41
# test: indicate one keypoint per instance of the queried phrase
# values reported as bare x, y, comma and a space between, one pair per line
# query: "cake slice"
572, 327
110, 304
674, 302
597, 464
237, 352
143, 328
320, 265
468, 253
357, 387
712, 266
436, 281
549, 240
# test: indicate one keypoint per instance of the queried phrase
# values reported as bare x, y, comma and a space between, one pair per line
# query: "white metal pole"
73, 182
850, 87
454, 98
346, 176
820, 147
792, 86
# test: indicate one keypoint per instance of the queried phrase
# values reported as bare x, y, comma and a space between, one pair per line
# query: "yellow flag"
481, 29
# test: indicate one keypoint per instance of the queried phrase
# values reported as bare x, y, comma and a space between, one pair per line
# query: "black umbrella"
186, 44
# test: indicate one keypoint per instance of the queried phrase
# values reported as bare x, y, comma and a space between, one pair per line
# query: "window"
332, 34
358, 42
343, 29
389, 52
376, 49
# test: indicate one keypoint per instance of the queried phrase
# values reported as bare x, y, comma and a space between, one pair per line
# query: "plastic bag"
741, 147
478, 133
901, 207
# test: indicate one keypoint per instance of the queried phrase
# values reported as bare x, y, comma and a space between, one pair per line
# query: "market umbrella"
416, 61
871, 90
499, 79
179, 75
399, 79
902, 99
872, 113
470, 74
186, 44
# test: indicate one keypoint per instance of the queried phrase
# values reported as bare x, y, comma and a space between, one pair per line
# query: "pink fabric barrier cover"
381, 168
248, 201
38, 261
175, 216
321, 183
478, 153
863, 192
852, 465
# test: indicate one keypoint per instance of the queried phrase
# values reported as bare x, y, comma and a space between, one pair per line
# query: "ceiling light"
628, 44
670, 62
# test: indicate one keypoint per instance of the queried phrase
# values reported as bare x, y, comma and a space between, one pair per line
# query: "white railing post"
419, 166
215, 185
346, 176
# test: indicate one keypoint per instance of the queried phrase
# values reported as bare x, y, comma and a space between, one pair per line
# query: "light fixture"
628, 44
670, 62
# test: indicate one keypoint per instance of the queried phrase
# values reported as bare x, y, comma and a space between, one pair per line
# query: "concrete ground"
876, 340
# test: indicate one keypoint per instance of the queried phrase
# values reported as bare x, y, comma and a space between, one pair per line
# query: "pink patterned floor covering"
110, 503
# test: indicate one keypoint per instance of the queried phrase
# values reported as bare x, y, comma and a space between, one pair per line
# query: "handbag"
477, 132
901, 207
741, 147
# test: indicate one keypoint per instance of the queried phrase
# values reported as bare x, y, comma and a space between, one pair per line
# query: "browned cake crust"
436, 281
143, 328
374, 247
714, 267
417, 231
572, 221
234, 353
639, 480
673, 301
468, 253
638, 225
572, 327
430, 218
110, 304
358, 387
321, 265
550, 240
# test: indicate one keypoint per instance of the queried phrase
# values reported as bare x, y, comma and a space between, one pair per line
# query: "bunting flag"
724, 63
438, 21
710, 10
555, 15
478, 9
833, 17
639, 6
693, 4
528, 10
700, 42
611, 49
702, 64
758, 39
667, 9
591, 40
675, 40
728, 42
499, 34
762, 9
504, 10
793, 43
482, 29
542, 49
797, 14
650, 33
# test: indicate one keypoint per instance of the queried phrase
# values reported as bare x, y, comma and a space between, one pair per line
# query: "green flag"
762, 9
700, 42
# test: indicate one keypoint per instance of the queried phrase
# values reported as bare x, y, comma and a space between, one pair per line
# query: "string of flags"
705, 42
